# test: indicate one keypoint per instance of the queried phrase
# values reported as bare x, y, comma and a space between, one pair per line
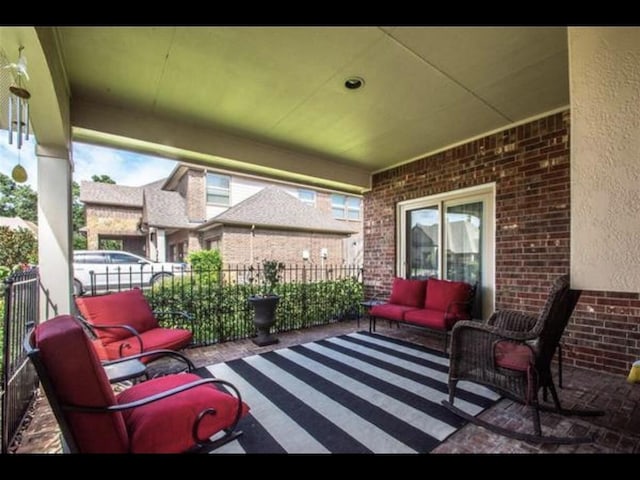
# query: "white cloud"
126, 168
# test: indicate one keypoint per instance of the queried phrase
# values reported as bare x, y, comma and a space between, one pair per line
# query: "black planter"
264, 316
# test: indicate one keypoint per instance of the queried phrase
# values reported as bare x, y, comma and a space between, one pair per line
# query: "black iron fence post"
5, 361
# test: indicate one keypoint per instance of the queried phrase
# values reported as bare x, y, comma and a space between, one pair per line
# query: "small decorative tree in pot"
266, 302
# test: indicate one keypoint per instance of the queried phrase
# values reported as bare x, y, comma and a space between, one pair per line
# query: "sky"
126, 168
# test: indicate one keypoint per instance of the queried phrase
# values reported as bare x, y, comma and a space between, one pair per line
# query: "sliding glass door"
450, 236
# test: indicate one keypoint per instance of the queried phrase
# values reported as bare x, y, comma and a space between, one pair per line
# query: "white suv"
113, 269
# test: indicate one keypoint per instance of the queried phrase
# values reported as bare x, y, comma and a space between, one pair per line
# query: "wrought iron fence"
19, 380
216, 301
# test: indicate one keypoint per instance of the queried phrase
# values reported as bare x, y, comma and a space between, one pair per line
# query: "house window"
212, 244
307, 196
218, 189
345, 207
450, 236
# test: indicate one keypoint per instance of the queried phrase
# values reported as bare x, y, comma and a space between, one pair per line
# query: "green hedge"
220, 312
1, 332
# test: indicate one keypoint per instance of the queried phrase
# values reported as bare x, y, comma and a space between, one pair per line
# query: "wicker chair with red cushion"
171, 414
512, 353
124, 325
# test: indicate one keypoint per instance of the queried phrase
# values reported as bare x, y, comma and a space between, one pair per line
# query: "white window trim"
346, 209
486, 192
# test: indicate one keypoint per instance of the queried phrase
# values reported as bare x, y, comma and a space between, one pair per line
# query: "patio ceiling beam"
140, 131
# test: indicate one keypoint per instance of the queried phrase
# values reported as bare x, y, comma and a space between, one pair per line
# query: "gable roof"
273, 207
111, 194
165, 209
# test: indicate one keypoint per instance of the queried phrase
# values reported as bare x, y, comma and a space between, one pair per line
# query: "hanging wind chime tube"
19, 103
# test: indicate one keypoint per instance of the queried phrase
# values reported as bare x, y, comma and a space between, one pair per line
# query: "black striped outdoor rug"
356, 393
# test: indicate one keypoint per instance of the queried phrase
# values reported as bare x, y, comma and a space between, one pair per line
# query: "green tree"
77, 218
17, 200
17, 246
103, 179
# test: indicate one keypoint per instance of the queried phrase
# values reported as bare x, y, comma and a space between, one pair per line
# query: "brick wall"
183, 236
196, 199
112, 221
285, 246
530, 167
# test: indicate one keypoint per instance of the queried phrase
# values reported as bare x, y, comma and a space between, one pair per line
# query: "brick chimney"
196, 195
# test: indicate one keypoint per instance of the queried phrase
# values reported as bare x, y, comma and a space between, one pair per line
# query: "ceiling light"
354, 83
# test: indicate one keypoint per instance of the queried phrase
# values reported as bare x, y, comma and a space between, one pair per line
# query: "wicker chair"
512, 353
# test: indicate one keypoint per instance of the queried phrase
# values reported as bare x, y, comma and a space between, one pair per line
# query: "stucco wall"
605, 158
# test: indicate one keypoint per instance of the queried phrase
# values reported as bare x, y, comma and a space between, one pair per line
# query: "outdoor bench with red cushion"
433, 304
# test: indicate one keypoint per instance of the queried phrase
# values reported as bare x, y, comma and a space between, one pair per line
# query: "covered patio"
527, 134
617, 432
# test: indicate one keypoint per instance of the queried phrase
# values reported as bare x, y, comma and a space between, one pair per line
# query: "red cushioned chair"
124, 324
512, 353
171, 414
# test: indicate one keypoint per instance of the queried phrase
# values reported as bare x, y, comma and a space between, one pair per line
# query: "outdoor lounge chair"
512, 353
170, 414
124, 324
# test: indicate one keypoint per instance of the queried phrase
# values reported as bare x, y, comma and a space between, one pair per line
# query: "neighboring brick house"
246, 217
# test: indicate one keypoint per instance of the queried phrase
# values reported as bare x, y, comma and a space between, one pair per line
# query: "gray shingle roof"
165, 209
108, 194
272, 207
14, 223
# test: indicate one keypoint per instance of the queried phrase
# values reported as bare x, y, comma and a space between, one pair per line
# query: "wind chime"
19, 111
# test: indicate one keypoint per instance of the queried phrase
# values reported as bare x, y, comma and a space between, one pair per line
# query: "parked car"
114, 270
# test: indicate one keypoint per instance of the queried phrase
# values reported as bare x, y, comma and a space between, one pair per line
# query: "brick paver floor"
618, 431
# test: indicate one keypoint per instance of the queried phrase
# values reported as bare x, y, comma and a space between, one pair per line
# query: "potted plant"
265, 303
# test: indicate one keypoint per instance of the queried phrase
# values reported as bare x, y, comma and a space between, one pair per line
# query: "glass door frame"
484, 193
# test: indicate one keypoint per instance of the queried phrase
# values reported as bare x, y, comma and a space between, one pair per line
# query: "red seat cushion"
121, 308
431, 318
409, 293
154, 339
78, 378
442, 295
514, 356
390, 311
165, 426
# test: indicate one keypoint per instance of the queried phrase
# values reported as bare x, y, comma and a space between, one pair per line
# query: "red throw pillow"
441, 293
409, 293
121, 308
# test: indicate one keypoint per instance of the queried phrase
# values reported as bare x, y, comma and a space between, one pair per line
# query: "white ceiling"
425, 87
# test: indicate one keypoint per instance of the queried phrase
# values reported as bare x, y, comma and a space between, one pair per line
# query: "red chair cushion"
431, 318
79, 379
128, 308
165, 426
512, 355
442, 293
390, 311
409, 293
154, 339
